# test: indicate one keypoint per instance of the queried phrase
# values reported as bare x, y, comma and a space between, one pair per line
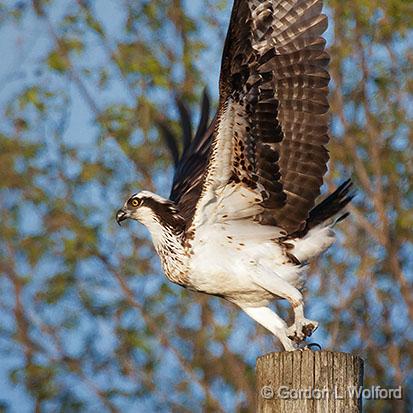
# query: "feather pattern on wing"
271, 123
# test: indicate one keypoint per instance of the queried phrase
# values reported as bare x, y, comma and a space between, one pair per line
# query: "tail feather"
328, 208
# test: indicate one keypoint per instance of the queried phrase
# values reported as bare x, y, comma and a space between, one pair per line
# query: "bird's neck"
168, 237
164, 236
174, 257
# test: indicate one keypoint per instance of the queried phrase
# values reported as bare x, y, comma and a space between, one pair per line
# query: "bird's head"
149, 208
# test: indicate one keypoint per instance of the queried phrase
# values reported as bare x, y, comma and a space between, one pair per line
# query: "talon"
310, 346
299, 331
308, 329
296, 338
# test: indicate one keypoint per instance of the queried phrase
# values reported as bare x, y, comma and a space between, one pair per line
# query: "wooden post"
309, 382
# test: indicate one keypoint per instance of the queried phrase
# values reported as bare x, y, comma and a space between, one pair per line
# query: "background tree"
87, 319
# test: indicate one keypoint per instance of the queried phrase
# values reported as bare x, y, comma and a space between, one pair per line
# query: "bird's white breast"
225, 255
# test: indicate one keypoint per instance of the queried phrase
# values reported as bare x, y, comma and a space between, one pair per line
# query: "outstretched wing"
271, 124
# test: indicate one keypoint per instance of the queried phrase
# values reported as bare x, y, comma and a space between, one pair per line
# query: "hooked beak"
121, 215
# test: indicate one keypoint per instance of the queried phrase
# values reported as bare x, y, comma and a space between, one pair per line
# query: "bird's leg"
302, 327
272, 322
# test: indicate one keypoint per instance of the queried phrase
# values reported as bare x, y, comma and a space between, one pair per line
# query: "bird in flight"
241, 220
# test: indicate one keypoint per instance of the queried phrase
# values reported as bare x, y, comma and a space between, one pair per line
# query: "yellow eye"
134, 203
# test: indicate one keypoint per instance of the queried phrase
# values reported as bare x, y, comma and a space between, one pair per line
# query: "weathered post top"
308, 382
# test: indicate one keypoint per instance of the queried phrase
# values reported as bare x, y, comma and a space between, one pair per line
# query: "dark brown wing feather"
191, 165
186, 122
274, 70
170, 140
273, 94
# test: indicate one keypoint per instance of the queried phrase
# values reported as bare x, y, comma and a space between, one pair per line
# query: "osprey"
241, 221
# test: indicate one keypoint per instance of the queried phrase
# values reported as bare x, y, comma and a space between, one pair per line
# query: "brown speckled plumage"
274, 73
